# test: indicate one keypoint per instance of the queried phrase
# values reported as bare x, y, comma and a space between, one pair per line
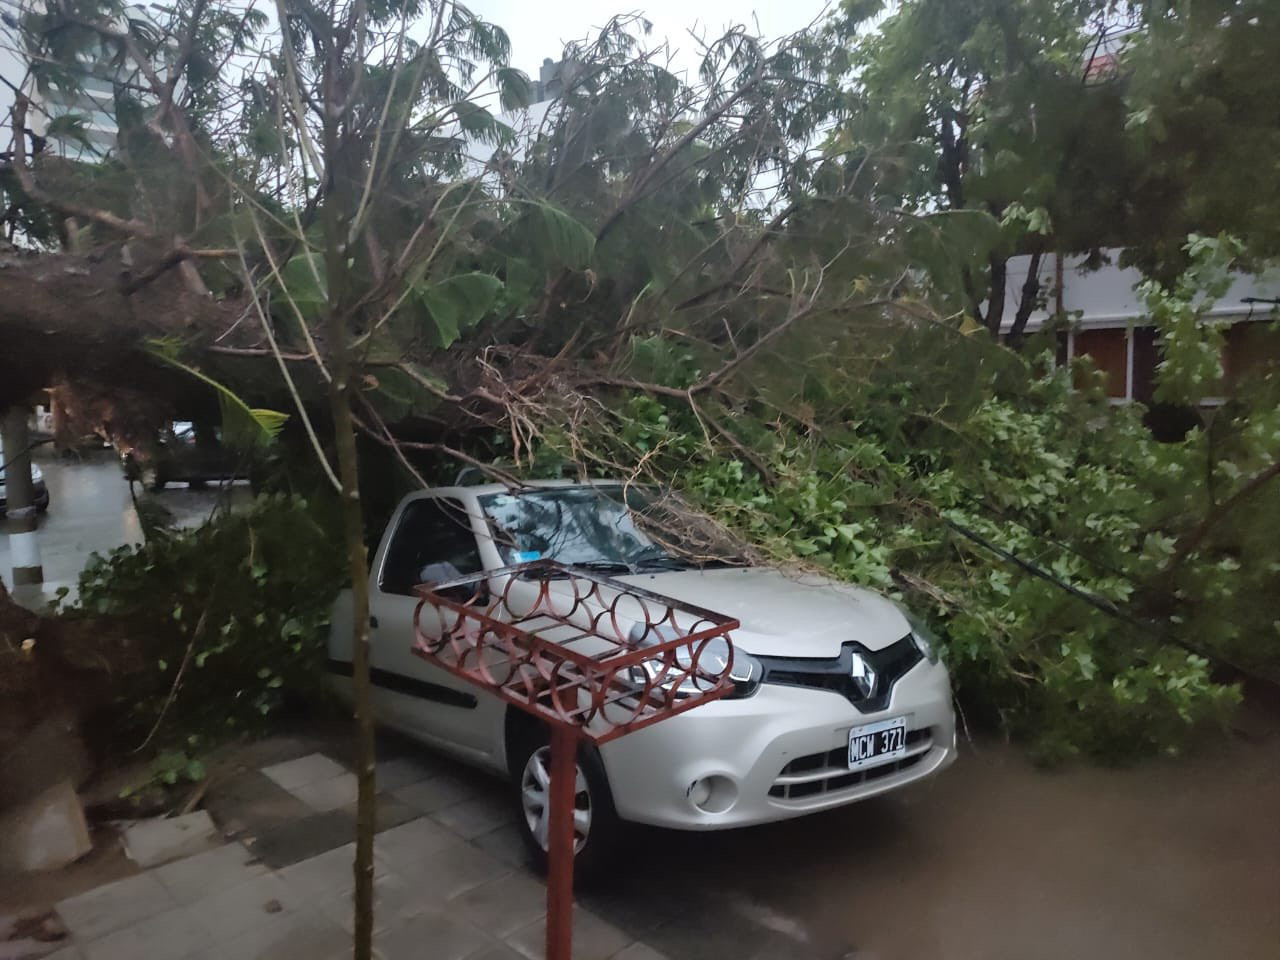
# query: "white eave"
1106, 297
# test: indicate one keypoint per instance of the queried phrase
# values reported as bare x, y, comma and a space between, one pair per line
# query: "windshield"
593, 527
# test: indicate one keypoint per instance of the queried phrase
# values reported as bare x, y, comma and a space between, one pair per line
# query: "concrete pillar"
24, 545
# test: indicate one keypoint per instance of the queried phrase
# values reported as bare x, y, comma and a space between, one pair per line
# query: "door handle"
373, 623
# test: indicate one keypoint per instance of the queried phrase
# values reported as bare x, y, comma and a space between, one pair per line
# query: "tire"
153, 479
594, 851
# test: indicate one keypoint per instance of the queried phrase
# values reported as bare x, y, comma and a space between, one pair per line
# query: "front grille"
835, 674
819, 773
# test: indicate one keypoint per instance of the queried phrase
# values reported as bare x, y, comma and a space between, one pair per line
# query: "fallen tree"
703, 284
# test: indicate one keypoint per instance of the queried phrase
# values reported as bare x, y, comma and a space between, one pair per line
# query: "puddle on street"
998, 860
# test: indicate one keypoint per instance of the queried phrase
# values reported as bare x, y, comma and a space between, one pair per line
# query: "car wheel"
152, 479
597, 829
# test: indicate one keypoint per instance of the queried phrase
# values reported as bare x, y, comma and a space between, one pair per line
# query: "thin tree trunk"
353, 532
971, 292
342, 170
995, 303
1030, 292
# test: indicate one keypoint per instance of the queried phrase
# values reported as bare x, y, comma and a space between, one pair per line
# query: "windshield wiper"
654, 554
603, 566
664, 562
655, 557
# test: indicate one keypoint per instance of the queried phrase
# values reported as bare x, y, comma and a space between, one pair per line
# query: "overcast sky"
539, 30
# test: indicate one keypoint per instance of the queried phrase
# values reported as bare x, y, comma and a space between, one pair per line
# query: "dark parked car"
37, 480
182, 456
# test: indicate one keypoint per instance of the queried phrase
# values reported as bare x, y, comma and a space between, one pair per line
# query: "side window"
433, 543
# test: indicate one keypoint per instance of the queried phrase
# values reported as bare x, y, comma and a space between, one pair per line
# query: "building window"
1249, 347
1146, 358
1109, 350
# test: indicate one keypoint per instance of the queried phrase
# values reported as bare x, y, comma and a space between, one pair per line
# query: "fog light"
699, 792
714, 794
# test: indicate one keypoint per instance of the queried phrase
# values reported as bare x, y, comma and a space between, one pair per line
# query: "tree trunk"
995, 302
69, 315
24, 544
1030, 292
353, 531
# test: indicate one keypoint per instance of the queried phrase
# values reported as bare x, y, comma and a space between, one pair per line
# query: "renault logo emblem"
863, 676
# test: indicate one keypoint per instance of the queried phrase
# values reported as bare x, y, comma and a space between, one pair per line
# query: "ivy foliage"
1036, 526
231, 617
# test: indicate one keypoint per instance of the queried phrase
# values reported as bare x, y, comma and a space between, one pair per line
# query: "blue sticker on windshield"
526, 556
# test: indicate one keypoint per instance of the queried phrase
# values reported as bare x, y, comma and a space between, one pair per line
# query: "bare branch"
132, 227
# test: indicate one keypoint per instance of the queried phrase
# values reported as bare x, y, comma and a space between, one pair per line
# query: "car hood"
784, 614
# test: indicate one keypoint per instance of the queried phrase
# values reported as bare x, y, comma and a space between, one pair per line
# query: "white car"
850, 699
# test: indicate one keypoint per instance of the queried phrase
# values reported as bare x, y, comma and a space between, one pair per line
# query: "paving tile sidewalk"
282, 889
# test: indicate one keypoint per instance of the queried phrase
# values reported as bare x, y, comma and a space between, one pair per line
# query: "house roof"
1106, 297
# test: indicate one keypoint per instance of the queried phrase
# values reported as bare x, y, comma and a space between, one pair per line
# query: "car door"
433, 541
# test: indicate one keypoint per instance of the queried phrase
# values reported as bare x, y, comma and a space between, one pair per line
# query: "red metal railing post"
564, 775
642, 662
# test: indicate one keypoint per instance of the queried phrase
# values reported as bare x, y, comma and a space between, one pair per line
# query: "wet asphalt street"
1174, 859
90, 510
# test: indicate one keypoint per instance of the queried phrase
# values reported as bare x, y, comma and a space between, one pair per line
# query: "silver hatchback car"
849, 699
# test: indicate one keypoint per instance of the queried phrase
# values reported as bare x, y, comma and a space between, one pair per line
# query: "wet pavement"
997, 860
1176, 859
90, 510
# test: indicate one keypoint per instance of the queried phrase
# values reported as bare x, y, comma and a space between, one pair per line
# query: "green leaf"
559, 237
306, 284
480, 125
399, 395
458, 303
522, 279
514, 89
243, 427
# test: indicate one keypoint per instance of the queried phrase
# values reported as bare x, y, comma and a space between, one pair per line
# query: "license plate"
876, 743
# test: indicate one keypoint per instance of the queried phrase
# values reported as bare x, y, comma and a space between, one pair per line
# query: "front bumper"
750, 742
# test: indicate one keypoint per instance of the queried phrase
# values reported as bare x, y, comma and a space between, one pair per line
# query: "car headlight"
925, 640
745, 671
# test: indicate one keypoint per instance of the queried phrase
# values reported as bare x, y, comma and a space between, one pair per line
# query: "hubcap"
535, 796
